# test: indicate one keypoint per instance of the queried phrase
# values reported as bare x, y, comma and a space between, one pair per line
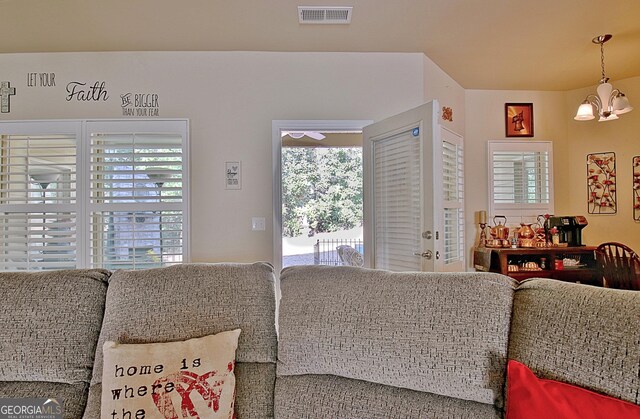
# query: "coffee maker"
569, 228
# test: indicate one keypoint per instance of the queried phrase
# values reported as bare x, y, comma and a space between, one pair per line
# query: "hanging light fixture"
609, 102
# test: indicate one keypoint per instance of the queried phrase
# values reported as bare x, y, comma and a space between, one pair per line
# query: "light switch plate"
258, 224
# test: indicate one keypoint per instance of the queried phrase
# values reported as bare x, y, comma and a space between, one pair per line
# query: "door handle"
427, 255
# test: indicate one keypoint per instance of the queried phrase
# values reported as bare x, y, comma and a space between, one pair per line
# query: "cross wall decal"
6, 91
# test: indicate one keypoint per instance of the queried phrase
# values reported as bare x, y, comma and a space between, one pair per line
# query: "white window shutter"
520, 179
110, 194
453, 200
38, 196
136, 196
397, 202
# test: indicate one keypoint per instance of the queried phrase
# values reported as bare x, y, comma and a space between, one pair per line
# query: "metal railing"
325, 252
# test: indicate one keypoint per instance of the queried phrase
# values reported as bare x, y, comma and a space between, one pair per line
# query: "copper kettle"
499, 230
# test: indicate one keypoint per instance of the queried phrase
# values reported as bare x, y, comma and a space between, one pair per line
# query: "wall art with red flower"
601, 183
636, 188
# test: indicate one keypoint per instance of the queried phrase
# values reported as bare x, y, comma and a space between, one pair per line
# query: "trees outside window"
321, 189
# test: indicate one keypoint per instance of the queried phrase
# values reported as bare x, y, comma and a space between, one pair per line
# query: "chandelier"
609, 102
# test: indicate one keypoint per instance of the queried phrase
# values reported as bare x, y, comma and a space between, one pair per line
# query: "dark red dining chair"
618, 265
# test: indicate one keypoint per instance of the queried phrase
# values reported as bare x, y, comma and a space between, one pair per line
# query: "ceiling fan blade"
296, 135
299, 134
315, 135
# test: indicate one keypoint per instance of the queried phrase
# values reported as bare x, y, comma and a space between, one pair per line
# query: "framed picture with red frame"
518, 119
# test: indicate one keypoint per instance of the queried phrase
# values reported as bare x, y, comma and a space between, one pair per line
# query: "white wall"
584, 137
439, 85
231, 99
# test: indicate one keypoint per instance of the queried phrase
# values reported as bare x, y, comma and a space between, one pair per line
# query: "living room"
231, 99
342, 341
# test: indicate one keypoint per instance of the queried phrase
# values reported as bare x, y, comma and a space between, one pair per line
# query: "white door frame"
277, 126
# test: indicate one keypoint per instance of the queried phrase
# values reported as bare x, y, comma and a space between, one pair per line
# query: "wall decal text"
140, 104
41, 79
83, 93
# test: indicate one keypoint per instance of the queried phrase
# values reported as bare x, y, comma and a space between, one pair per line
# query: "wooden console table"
507, 260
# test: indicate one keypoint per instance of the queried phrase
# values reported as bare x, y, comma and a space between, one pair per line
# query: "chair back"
350, 256
618, 265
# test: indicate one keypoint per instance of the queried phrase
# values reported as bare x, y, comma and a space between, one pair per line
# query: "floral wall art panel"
601, 183
636, 188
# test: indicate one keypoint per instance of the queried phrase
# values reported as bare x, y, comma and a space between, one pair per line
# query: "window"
520, 179
109, 194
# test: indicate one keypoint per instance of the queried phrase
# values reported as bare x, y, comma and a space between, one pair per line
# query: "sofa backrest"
193, 300
579, 334
415, 344
50, 325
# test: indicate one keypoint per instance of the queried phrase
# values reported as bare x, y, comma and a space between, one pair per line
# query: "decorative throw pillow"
531, 397
185, 379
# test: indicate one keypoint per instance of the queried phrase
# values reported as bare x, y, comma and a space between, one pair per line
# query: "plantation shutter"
39, 206
76, 194
397, 199
137, 194
453, 200
520, 179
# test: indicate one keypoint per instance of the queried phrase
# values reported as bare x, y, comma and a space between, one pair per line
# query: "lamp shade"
585, 112
621, 104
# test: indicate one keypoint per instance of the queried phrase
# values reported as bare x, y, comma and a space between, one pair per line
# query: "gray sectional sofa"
350, 342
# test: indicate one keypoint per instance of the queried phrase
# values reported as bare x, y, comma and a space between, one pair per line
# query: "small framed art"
233, 175
518, 119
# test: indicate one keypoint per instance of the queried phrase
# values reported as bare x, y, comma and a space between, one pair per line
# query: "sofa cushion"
579, 334
328, 396
196, 375
439, 333
193, 300
529, 397
50, 324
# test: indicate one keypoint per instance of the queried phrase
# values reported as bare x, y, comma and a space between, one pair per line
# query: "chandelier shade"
608, 103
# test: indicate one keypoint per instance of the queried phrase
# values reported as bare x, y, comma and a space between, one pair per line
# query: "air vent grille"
326, 15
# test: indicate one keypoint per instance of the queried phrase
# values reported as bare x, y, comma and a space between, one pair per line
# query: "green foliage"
322, 186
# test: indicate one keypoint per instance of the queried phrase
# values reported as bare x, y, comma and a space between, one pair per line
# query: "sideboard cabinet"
572, 264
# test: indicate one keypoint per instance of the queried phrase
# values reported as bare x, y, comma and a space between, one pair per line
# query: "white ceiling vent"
333, 15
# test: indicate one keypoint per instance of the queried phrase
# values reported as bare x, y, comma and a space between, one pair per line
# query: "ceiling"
482, 44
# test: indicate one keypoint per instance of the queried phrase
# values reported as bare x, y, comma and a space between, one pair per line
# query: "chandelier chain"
602, 61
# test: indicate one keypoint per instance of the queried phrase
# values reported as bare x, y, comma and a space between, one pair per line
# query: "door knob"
428, 254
